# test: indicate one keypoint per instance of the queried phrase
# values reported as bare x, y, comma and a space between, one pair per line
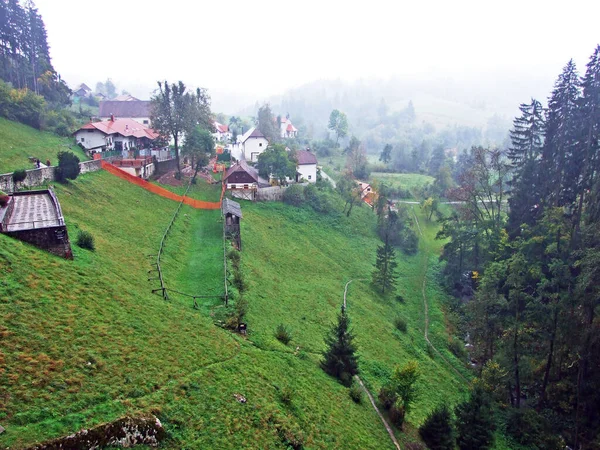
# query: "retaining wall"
37, 177
273, 193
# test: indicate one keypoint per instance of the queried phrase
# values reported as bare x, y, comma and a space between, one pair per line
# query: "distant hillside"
483, 104
18, 142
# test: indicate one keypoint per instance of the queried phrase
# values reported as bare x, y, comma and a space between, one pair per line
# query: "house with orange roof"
287, 129
222, 132
115, 134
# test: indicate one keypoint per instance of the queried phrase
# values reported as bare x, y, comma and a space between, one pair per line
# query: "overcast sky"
262, 47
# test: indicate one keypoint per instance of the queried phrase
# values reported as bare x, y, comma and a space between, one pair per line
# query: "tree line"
530, 273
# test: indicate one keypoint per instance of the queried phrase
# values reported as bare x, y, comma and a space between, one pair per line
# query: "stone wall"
37, 177
273, 193
126, 432
162, 167
52, 239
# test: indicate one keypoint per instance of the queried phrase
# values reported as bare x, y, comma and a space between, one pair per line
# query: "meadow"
18, 142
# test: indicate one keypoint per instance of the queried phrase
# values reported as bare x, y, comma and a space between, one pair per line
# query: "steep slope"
18, 142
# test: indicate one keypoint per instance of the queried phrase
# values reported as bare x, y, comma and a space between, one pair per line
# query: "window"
260, 144
310, 177
145, 122
246, 186
82, 139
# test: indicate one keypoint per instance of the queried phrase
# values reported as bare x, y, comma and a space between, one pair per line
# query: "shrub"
400, 299
237, 314
387, 396
286, 395
18, 176
294, 195
356, 393
409, 241
238, 280
400, 324
3, 198
86, 240
457, 348
438, 430
282, 334
397, 413
68, 167
235, 257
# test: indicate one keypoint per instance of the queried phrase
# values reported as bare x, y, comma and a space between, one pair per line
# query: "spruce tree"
438, 429
475, 422
385, 275
589, 132
340, 359
560, 168
527, 139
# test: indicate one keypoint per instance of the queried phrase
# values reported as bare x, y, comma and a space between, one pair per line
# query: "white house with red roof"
253, 144
287, 129
222, 132
307, 166
115, 134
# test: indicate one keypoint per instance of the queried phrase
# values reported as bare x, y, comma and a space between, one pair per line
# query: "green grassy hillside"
18, 142
84, 341
406, 181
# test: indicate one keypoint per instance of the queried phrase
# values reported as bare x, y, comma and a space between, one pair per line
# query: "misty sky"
263, 47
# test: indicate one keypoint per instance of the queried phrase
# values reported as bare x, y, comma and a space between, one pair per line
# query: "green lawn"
18, 142
85, 341
407, 181
202, 190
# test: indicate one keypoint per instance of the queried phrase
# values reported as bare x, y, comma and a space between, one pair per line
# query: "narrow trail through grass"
364, 388
426, 307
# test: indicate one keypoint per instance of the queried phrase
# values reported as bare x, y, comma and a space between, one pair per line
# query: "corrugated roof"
231, 207
124, 127
134, 108
306, 157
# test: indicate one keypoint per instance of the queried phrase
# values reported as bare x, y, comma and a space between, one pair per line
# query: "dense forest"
529, 275
31, 91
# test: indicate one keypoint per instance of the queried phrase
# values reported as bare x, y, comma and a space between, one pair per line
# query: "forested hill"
477, 111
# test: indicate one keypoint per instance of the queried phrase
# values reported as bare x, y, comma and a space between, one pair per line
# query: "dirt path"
364, 388
426, 307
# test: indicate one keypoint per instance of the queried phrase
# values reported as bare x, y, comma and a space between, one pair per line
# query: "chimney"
126, 127
112, 118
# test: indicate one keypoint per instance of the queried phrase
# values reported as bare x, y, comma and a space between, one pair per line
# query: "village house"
287, 129
138, 110
139, 167
307, 166
243, 181
125, 98
367, 193
115, 134
253, 144
82, 91
221, 133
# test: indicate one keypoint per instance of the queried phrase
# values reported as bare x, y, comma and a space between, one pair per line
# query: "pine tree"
527, 140
385, 275
386, 154
474, 422
589, 133
340, 359
559, 164
438, 430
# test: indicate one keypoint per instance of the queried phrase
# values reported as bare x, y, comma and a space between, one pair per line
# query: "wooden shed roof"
231, 207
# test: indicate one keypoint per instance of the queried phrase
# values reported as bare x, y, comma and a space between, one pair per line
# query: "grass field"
407, 181
84, 341
18, 142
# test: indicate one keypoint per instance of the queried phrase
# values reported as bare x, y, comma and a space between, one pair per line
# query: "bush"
409, 241
238, 281
400, 299
282, 334
475, 423
287, 395
397, 414
19, 175
235, 257
438, 430
387, 396
86, 240
294, 195
68, 167
400, 324
457, 348
3, 199
356, 393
